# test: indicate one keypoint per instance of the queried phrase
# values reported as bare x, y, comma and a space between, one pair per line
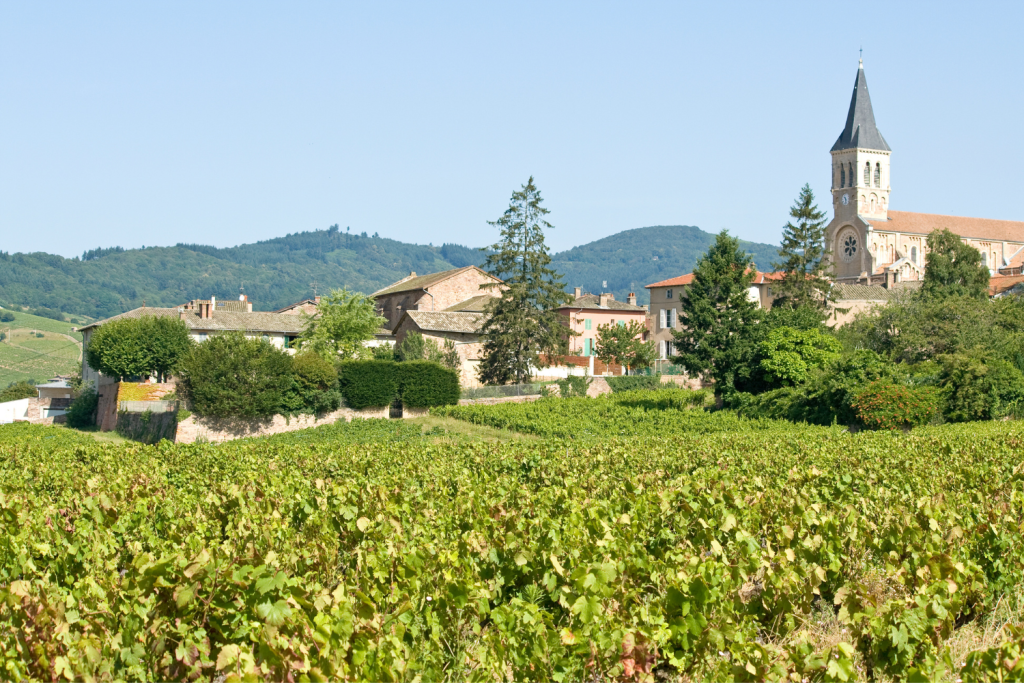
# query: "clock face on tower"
846, 199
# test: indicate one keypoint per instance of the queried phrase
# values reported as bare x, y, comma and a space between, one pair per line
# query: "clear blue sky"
221, 123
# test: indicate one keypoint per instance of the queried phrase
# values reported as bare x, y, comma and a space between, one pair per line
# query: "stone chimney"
577, 292
631, 299
605, 298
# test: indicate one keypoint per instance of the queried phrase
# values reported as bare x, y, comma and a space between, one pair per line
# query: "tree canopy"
343, 321
718, 317
523, 322
953, 268
139, 347
624, 344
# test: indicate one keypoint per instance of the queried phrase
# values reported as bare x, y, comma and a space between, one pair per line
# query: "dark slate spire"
860, 128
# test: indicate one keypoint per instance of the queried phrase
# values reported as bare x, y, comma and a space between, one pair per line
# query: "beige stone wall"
215, 430
468, 346
837, 318
447, 293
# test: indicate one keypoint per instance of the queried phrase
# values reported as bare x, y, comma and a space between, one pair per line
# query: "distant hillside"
630, 259
35, 348
280, 271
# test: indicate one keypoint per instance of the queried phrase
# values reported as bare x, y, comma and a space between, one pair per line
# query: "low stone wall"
684, 381
213, 429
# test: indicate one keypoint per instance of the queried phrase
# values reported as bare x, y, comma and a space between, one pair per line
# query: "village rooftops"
447, 321
603, 302
474, 305
414, 282
760, 278
220, 320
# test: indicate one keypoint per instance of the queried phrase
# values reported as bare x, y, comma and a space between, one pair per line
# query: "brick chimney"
577, 292
631, 299
605, 298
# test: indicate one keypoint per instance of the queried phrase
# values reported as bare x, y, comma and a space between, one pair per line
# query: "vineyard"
706, 548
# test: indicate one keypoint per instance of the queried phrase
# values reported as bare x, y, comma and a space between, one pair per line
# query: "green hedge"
634, 382
424, 383
367, 383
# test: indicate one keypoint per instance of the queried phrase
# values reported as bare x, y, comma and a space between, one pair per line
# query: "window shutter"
661, 318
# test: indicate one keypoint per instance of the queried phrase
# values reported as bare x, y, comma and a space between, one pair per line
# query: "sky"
130, 124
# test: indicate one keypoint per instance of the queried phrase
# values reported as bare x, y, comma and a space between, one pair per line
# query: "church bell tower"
860, 161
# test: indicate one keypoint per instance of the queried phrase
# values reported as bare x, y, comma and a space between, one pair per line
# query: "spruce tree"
953, 268
523, 322
802, 256
718, 318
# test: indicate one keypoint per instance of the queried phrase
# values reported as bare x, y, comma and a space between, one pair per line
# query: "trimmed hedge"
634, 382
424, 383
376, 383
367, 383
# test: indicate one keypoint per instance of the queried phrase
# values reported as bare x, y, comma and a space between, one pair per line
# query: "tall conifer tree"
802, 256
718, 318
523, 322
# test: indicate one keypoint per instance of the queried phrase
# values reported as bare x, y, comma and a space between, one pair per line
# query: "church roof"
974, 228
860, 128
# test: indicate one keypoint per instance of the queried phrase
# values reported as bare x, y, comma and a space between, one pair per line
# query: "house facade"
435, 292
586, 313
867, 243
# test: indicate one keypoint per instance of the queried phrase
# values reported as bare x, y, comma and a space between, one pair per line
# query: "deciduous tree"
624, 344
343, 321
953, 268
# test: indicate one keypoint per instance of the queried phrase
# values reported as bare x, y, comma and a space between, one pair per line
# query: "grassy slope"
25, 356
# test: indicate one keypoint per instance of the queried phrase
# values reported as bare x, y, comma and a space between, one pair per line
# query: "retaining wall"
214, 429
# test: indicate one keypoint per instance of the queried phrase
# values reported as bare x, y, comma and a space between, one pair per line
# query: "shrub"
980, 387
423, 384
18, 390
635, 382
367, 383
573, 385
412, 347
82, 412
315, 385
787, 354
884, 405
230, 375
6, 317
133, 347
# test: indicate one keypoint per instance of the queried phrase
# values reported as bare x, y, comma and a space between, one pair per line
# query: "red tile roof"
1000, 283
759, 279
976, 228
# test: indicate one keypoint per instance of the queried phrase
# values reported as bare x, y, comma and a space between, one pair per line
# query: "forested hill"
280, 271
630, 259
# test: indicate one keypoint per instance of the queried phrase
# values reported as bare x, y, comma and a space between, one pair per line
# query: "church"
868, 243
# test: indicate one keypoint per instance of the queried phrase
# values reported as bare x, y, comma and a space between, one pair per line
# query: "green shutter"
586, 323
586, 342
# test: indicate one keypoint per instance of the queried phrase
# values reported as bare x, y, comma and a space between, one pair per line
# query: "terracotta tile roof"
977, 228
474, 304
425, 281
593, 301
759, 279
446, 321
221, 321
1001, 283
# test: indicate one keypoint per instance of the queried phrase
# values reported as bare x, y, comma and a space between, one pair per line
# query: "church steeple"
860, 128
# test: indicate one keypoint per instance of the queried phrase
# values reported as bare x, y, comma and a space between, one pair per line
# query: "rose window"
848, 247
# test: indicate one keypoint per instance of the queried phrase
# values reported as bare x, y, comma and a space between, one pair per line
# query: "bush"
18, 390
6, 317
884, 405
788, 354
573, 385
423, 384
315, 385
230, 375
82, 412
980, 387
635, 382
367, 383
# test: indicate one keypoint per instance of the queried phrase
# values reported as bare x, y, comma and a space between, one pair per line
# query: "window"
842, 175
668, 293
670, 318
670, 348
867, 173
586, 323
769, 291
913, 255
662, 348
622, 323
984, 259
878, 175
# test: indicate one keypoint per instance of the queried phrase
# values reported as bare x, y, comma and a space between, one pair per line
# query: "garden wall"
213, 429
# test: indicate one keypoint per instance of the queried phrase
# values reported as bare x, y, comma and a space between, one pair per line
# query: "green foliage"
360, 552
424, 384
953, 268
624, 345
885, 405
6, 317
788, 354
383, 352
82, 412
717, 317
18, 390
139, 347
343, 321
315, 385
522, 324
573, 385
635, 382
980, 387
368, 383
802, 256
413, 347
230, 375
